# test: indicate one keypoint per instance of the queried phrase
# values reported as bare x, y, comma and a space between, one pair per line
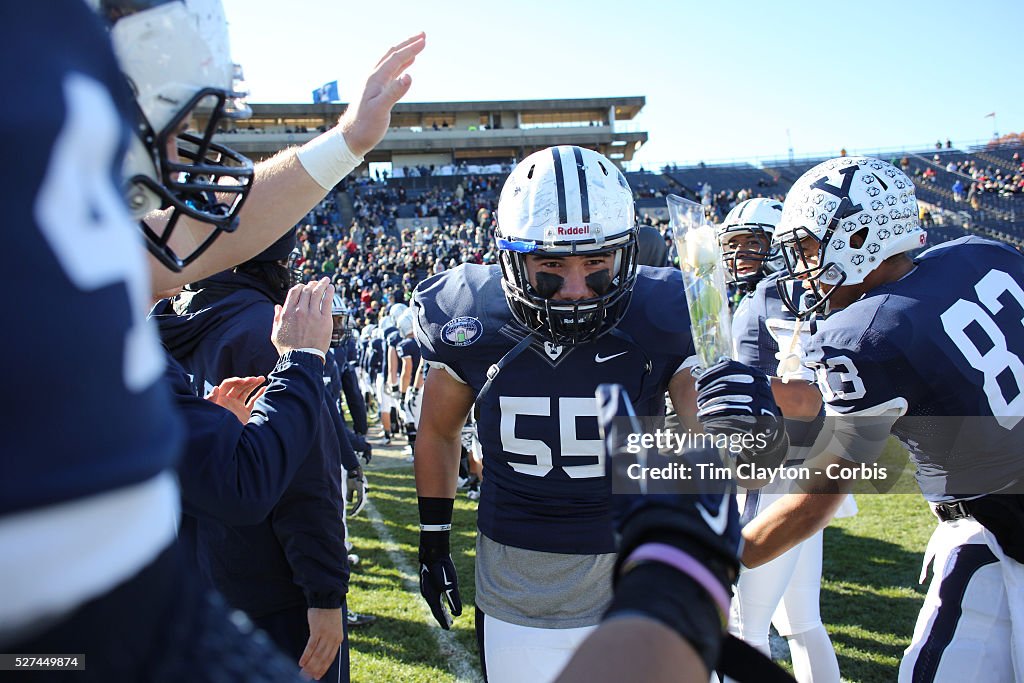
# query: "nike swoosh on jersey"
718, 521
599, 359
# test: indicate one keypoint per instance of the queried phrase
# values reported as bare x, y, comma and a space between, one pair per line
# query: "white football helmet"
405, 323
367, 333
175, 56
758, 217
838, 203
341, 318
386, 323
566, 201
397, 310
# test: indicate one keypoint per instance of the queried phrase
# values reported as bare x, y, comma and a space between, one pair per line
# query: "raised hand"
305, 319
366, 121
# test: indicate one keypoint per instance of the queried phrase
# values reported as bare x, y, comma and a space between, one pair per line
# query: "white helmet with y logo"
860, 211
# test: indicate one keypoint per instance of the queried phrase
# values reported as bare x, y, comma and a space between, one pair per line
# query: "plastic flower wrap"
700, 260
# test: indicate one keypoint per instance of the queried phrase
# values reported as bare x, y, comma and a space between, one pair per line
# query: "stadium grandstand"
443, 161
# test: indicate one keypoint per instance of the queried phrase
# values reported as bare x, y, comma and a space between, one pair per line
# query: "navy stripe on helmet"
560, 186
582, 173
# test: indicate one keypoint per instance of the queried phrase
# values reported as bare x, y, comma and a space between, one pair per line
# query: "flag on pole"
328, 92
990, 116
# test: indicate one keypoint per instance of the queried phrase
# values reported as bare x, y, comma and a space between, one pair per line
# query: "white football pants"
971, 626
514, 654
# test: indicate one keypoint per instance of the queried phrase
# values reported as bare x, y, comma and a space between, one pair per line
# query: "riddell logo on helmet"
567, 230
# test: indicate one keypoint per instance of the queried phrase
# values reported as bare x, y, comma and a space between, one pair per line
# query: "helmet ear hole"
858, 238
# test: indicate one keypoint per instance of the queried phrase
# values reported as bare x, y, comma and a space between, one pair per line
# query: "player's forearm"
788, 521
634, 649
406, 376
797, 399
392, 367
436, 464
282, 193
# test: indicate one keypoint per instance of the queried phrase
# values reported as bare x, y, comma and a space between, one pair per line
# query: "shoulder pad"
456, 309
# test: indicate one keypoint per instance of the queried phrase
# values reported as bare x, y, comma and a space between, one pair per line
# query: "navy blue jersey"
942, 345
376, 357
351, 351
332, 396
408, 348
392, 336
544, 483
761, 324
84, 408
344, 357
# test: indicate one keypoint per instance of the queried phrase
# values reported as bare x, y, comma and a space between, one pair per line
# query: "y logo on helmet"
842, 192
461, 331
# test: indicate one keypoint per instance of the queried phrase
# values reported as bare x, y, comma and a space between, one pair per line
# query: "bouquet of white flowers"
700, 260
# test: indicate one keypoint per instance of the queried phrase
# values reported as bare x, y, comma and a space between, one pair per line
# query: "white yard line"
459, 659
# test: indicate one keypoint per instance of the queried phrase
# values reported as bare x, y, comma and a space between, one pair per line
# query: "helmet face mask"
564, 321
567, 202
176, 60
736, 250
812, 272
752, 218
295, 275
841, 220
341, 319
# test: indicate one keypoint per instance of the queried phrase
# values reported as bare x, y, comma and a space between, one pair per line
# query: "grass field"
869, 597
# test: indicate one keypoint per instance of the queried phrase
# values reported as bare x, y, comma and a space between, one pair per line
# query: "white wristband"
435, 527
327, 158
316, 352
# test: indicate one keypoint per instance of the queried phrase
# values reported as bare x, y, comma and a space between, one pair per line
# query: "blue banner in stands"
328, 92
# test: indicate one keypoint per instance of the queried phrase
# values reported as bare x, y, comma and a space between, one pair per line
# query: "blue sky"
723, 80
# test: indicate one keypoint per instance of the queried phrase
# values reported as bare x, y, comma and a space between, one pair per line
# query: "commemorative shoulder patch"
461, 331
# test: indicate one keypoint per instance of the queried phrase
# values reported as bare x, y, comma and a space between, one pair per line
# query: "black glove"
439, 584
735, 400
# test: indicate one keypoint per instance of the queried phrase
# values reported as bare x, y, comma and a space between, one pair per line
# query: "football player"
745, 236
345, 354
341, 382
107, 488
410, 380
529, 341
785, 591
911, 347
381, 369
354, 488
392, 337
